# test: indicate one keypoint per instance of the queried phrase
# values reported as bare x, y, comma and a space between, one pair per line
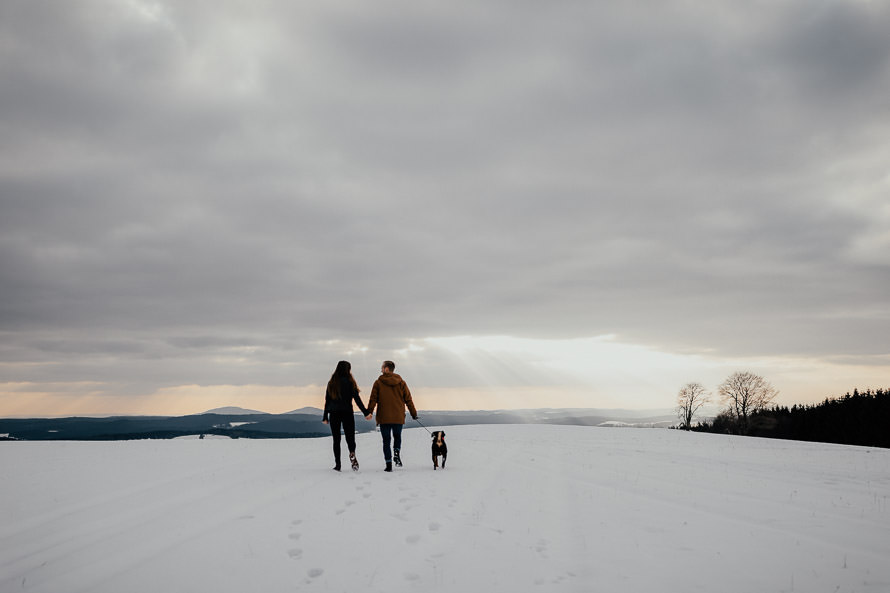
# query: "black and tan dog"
439, 448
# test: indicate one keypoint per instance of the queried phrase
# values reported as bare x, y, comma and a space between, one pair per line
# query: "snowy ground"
519, 508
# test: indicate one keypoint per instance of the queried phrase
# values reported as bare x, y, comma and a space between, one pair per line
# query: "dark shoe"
354, 462
396, 458
337, 467
388, 466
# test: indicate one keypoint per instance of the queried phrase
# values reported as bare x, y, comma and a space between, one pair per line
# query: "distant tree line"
858, 418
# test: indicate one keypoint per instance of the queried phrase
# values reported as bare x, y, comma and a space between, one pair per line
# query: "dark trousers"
347, 421
388, 431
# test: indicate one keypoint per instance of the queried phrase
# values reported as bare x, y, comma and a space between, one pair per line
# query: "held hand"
368, 417
324, 421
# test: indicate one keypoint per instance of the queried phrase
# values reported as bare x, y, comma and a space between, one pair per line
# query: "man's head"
388, 367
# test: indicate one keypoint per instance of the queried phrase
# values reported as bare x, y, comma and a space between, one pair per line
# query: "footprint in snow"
314, 573
412, 539
295, 536
434, 526
295, 553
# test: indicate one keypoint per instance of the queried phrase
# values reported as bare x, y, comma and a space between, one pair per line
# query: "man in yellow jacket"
390, 395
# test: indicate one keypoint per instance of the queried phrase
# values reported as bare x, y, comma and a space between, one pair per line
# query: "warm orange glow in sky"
495, 372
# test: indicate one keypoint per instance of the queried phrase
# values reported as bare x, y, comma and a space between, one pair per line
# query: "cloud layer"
187, 185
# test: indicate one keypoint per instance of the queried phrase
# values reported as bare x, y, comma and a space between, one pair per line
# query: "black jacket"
348, 394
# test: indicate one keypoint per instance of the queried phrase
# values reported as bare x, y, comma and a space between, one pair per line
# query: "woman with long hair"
341, 392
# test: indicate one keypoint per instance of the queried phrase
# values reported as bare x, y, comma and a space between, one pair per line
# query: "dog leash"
421, 423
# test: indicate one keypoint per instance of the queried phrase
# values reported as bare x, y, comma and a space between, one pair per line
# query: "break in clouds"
188, 184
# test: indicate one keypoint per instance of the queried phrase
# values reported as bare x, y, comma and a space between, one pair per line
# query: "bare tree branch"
691, 397
745, 393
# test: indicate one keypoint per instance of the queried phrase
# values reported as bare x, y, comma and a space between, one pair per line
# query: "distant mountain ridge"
235, 410
301, 423
230, 410
307, 410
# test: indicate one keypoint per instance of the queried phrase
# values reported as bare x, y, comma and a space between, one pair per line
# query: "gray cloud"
180, 180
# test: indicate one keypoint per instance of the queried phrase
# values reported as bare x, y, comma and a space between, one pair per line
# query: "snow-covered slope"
519, 508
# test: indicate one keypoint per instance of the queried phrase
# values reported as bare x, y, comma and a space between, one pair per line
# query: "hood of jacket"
391, 379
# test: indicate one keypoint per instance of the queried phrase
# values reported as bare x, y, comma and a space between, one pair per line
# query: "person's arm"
327, 399
361, 406
406, 397
372, 401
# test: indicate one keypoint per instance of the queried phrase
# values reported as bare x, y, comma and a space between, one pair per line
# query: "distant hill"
234, 422
307, 410
229, 410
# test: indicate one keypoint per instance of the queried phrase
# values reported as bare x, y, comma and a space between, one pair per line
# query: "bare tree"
745, 393
691, 397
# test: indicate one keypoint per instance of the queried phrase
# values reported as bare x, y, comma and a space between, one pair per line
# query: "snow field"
532, 507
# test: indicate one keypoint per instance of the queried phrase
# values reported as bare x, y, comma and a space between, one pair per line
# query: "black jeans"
347, 421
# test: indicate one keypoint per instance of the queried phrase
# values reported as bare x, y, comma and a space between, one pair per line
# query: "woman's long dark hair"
342, 371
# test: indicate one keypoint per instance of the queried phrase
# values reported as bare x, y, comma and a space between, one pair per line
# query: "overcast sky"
523, 204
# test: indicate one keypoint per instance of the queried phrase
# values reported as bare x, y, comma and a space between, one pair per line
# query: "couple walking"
390, 395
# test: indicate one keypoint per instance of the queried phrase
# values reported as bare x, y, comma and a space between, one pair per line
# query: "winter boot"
396, 458
354, 461
388, 466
